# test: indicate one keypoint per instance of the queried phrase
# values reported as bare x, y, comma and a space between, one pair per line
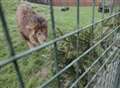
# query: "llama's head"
38, 34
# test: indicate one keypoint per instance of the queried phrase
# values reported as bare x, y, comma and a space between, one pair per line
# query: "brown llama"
33, 27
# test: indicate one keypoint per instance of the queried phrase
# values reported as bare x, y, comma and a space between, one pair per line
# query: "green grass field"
32, 65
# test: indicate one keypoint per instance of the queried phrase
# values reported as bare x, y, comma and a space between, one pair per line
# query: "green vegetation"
35, 65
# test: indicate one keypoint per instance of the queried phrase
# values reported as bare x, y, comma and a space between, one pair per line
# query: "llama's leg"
32, 40
30, 44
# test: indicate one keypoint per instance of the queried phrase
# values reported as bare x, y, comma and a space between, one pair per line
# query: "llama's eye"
39, 33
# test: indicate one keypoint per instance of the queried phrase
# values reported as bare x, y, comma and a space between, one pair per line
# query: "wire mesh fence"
87, 57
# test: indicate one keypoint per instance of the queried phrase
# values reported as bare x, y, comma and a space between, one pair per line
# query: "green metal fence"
75, 84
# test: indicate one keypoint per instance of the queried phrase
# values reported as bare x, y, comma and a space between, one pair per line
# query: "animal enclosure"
74, 56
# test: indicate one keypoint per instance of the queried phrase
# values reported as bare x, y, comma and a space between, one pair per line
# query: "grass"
33, 64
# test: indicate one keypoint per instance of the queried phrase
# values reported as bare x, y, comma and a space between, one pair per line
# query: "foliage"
68, 50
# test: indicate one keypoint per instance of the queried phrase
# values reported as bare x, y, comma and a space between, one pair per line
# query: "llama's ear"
44, 24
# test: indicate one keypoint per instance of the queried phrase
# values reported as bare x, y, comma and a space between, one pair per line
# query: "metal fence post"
93, 14
12, 51
77, 40
103, 8
54, 36
78, 24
